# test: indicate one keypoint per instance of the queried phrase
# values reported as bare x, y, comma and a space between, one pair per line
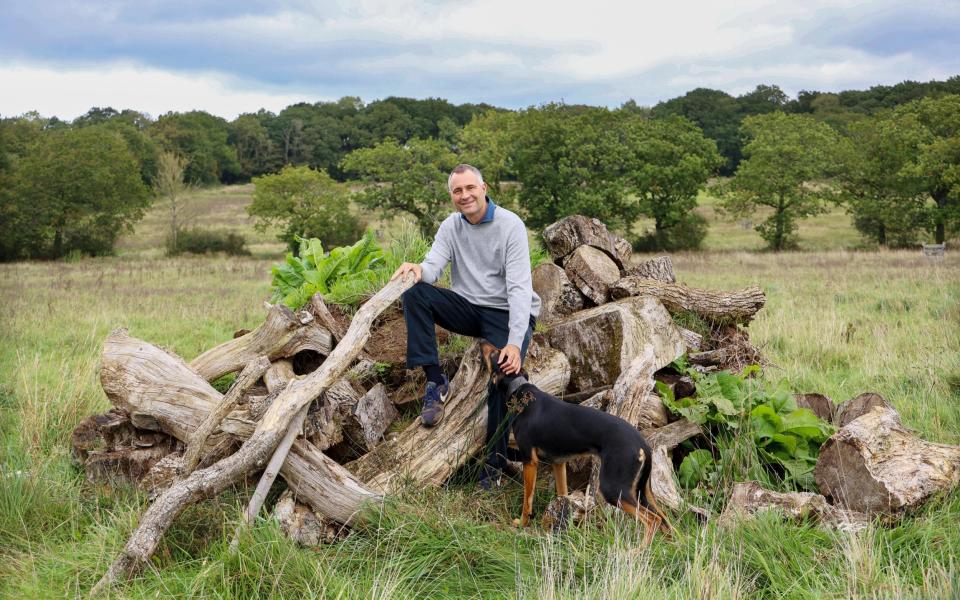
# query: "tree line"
890, 154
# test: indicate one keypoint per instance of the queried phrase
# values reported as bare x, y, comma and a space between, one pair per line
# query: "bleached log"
633, 398
209, 482
672, 435
281, 335
303, 525
749, 499
738, 306
602, 342
663, 485
248, 376
431, 455
874, 464
592, 272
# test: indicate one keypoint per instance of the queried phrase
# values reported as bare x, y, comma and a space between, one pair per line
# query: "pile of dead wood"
308, 403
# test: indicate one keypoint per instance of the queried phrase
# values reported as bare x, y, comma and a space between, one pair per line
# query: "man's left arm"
519, 294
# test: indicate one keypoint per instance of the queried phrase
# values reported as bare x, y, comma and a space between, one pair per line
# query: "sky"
62, 57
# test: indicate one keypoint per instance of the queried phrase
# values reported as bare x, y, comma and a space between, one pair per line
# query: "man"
491, 297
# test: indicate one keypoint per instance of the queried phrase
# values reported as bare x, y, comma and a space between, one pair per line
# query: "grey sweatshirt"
490, 265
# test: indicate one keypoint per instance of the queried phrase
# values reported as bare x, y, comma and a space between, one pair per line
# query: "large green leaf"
695, 468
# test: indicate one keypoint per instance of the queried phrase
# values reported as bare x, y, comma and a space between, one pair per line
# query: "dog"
550, 431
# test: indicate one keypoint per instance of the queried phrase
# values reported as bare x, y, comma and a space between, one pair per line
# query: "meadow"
837, 321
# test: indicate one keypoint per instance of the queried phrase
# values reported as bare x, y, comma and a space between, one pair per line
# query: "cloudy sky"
60, 57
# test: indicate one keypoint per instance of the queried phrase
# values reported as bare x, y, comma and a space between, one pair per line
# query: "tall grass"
836, 322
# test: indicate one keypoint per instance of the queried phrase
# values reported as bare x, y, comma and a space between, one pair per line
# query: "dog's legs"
651, 521
529, 487
665, 527
560, 478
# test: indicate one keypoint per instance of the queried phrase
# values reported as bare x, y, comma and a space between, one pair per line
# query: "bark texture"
659, 268
717, 307
558, 296
570, 233
748, 499
592, 272
281, 335
873, 464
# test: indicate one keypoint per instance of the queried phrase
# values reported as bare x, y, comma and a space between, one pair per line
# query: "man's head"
468, 192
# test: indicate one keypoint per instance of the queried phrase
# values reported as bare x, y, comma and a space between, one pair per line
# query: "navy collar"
487, 216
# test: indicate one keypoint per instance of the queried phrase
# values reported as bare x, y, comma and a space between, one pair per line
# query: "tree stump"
858, 406
749, 499
818, 404
873, 464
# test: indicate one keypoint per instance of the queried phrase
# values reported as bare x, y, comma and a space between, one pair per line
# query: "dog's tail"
646, 492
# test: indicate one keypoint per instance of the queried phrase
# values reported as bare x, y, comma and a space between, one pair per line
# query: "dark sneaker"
491, 478
433, 400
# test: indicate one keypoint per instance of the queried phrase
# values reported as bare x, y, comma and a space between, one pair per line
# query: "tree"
169, 184
573, 161
716, 113
253, 144
886, 200
73, 190
201, 138
487, 143
937, 160
306, 203
406, 178
671, 161
786, 157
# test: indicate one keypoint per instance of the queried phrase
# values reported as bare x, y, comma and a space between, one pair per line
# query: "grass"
836, 322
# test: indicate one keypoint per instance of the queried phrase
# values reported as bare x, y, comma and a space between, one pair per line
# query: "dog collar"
515, 385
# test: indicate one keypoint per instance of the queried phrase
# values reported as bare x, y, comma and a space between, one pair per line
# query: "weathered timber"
874, 464
319, 309
671, 435
369, 418
592, 272
431, 455
659, 268
303, 525
248, 376
206, 483
633, 398
749, 499
566, 511
281, 335
692, 339
279, 374
316, 479
602, 342
570, 233
663, 485
738, 306
818, 404
558, 296
858, 406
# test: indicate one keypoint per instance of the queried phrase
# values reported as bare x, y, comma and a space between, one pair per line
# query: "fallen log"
281, 335
601, 342
558, 296
248, 376
633, 398
874, 464
659, 268
858, 406
431, 455
717, 307
206, 483
672, 435
592, 272
662, 483
818, 404
748, 499
570, 233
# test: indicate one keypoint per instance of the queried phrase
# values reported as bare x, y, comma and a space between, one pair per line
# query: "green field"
836, 322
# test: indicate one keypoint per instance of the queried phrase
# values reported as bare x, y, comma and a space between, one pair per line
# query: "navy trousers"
425, 306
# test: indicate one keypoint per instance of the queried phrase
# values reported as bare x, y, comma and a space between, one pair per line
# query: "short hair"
462, 168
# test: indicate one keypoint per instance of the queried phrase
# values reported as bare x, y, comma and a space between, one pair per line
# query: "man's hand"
510, 359
405, 268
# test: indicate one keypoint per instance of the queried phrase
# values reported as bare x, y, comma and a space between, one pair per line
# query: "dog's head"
491, 357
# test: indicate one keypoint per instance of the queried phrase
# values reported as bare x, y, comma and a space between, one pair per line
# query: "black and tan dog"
550, 431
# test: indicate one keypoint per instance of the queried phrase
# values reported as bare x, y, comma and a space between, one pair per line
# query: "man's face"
469, 195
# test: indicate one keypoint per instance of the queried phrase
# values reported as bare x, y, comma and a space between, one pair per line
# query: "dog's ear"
490, 355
